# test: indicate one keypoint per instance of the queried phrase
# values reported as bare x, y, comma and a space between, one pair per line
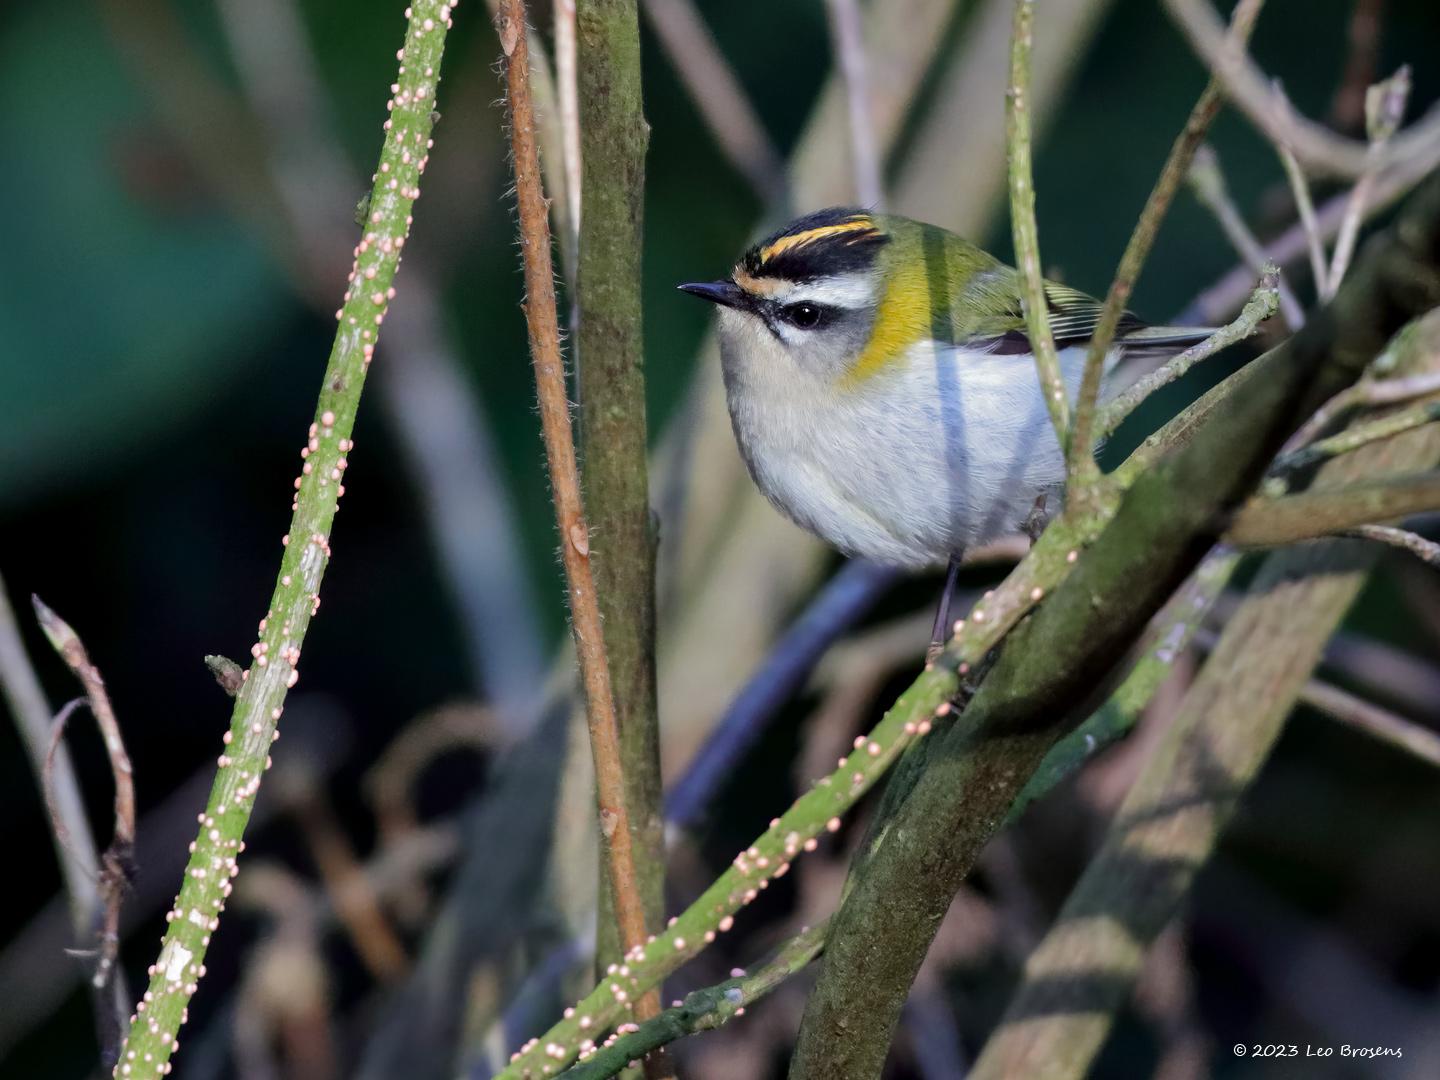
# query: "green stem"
610, 348
1142, 239
1357, 436
1259, 308
1168, 637
1081, 974
177, 970
1022, 221
702, 1010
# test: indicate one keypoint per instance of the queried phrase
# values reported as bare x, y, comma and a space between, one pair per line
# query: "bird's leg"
940, 633
1034, 524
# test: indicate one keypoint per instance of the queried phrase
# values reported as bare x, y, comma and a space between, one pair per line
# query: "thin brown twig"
1384, 108
544, 331
1427, 551
116, 861
1313, 144
1305, 207
1370, 718
68, 644
1142, 239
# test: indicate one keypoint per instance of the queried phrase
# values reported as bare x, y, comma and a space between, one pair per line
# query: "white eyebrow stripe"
849, 291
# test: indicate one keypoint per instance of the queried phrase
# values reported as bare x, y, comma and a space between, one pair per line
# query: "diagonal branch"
1027, 701
175, 975
1312, 144
1084, 970
1142, 239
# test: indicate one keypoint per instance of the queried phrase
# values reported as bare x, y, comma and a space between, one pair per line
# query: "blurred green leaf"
131, 298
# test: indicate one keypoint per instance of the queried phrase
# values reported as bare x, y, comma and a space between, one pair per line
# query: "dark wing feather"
1074, 315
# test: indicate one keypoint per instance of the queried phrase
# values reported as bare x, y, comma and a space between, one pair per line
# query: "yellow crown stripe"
809, 236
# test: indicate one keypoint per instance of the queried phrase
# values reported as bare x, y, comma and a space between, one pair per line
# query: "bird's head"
841, 293
807, 296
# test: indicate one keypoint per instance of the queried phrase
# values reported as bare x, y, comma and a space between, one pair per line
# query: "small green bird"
882, 387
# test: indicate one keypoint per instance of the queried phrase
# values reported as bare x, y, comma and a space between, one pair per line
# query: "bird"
882, 387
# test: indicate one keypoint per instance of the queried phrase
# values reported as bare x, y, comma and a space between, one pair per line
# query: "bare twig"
1228, 292
1261, 307
1022, 223
1356, 436
1368, 393
1426, 551
1305, 207
443, 436
79, 867
1370, 718
177, 971
117, 860
1384, 109
1142, 239
1313, 514
544, 331
1208, 183
848, 47
68, 644
717, 94
1314, 145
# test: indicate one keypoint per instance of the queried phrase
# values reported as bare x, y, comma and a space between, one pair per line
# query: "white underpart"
943, 450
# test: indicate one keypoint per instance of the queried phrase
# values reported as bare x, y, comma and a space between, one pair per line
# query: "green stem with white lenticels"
177, 971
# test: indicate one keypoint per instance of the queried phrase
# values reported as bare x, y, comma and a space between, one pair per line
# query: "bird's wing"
1073, 318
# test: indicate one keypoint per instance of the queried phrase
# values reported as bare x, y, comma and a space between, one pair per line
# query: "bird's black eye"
805, 316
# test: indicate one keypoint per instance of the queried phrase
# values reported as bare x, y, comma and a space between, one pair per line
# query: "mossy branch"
1085, 968
706, 1009
174, 976
613, 434
1168, 517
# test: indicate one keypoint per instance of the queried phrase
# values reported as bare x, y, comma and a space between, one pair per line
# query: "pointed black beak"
717, 292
